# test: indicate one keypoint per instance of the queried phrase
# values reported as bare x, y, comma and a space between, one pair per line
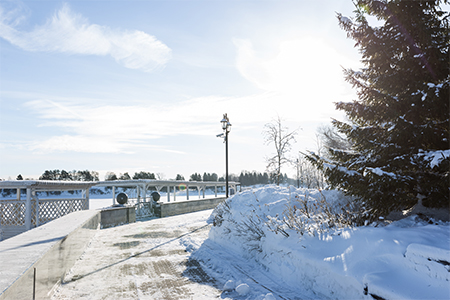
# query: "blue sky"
128, 86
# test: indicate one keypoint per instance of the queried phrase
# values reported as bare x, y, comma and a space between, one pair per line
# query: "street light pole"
226, 126
226, 162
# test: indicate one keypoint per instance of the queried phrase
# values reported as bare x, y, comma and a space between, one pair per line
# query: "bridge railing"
141, 190
28, 210
144, 187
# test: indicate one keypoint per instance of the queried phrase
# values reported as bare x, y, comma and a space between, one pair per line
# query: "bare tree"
330, 138
278, 135
307, 174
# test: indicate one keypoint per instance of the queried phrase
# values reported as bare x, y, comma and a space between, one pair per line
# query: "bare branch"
280, 136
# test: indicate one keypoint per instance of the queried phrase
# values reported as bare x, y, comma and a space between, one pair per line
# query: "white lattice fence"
51, 209
12, 213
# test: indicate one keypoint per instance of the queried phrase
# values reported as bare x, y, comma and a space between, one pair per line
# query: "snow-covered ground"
407, 259
169, 258
234, 253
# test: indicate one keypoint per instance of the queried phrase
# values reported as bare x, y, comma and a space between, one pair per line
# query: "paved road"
145, 260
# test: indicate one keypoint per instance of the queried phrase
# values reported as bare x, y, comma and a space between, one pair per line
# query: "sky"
129, 86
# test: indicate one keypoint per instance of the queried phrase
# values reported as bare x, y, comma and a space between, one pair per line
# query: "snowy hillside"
407, 259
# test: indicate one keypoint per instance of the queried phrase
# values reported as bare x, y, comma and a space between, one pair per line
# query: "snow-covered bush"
312, 215
308, 240
303, 211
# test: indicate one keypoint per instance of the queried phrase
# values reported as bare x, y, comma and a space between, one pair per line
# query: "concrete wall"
177, 208
51, 249
115, 216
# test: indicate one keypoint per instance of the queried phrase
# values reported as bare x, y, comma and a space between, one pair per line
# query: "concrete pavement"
144, 260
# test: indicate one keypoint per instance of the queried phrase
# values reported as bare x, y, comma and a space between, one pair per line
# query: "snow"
432, 85
269, 296
407, 259
435, 157
243, 289
341, 169
437, 87
346, 20
18, 253
168, 258
229, 285
236, 245
380, 172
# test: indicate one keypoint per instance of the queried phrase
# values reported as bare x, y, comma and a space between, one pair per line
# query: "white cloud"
93, 125
87, 125
70, 33
78, 143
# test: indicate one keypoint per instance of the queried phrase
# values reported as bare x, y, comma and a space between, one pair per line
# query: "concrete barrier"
34, 262
115, 216
168, 209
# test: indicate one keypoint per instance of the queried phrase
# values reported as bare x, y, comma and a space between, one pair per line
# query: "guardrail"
144, 186
145, 207
28, 211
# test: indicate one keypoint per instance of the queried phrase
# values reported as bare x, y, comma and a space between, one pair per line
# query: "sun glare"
306, 73
303, 65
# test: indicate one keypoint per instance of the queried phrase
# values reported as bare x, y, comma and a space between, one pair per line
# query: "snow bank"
408, 259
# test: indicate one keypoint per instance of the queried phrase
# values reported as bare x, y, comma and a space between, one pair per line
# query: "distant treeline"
246, 178
69, 175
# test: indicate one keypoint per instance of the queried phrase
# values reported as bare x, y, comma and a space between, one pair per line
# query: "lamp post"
226, 126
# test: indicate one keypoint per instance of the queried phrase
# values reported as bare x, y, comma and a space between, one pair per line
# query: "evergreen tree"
19, 177
144, 175
95, 176
179, 177
206, 176
214, 177
65, 175
85, 176
125, 176
50, 175
195, 177
110, 176
399, 126
247, 178
330, 138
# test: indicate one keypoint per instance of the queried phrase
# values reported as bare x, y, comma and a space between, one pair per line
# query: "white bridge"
27, 210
